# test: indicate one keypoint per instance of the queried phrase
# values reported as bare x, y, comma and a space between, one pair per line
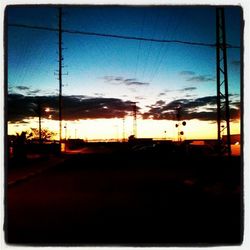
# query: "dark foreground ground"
129, 199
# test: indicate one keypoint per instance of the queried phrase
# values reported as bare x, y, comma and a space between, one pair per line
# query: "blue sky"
127, 70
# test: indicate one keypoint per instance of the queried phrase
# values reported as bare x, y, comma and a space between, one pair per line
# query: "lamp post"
65, 127
39, 112
178, 125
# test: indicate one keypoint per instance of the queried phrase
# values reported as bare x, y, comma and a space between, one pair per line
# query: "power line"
139, 45
121, 36
149, 48
154, 73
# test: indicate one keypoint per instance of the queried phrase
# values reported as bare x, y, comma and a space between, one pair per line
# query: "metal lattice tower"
223, 112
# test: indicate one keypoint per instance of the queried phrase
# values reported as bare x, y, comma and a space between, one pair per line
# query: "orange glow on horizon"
115, 129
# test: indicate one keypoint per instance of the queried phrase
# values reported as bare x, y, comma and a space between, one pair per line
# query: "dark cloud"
33, 92
234, 95
235, 113
159, 103
122, 80
201, 78
130, 80
161, 94
27, 90
189, 109
23, 122
118, 79
137, 83
187, 89
21, 107
187, 73
77, 107
236, 104
202, 101
22, 87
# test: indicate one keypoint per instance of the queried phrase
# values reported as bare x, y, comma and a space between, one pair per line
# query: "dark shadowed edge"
120, 5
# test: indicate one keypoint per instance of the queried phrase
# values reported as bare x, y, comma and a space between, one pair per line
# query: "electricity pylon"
223, 111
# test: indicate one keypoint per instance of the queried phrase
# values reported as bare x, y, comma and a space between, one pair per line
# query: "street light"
179, 124
65, 126
39, 111
165, 132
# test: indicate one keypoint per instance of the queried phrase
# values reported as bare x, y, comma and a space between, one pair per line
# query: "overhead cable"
120, 36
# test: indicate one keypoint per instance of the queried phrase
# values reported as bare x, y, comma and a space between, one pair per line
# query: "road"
102, 199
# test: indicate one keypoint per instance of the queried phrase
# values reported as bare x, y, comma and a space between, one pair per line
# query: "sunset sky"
106, 75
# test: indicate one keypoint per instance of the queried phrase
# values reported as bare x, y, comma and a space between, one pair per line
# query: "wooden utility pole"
60, 72
135, 119
39, 111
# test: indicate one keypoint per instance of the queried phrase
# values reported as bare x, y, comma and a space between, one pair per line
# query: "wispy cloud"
140, 98
130, 80
22, 88
26, 90
122, 80
187, 73
168, 90
188, 95
201, 78
192, 76
137, 83
187, 89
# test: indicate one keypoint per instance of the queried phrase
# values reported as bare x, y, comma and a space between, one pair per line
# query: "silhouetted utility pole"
65, 127
60, 72
223, 112
39, 111
135, 120
123, 129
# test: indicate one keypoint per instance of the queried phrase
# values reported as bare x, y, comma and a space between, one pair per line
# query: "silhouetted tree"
46, 134
19, 146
